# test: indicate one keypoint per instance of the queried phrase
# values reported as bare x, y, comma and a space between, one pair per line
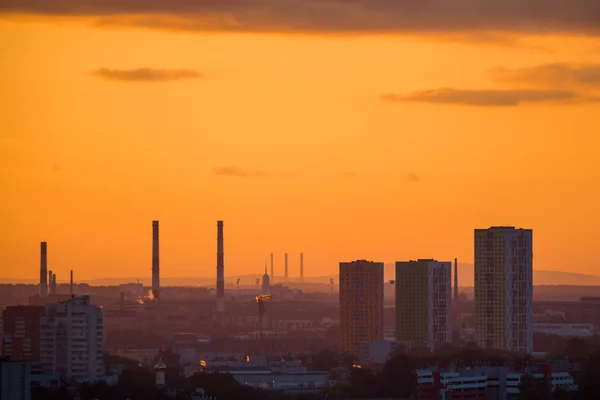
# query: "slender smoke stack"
53, 283
455, 279
49, 282
285, 272
155, 262
43, 270
272, 269
220, 262
71, 284
301, 267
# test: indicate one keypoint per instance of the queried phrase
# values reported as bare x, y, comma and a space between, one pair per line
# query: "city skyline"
294, 139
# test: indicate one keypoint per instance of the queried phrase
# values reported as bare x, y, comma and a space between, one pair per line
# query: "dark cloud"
145, 74
336, 16
490, 98
552, 75
237, 172
412, 177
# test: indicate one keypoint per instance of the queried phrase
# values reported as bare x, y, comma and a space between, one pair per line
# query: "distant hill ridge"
465, 279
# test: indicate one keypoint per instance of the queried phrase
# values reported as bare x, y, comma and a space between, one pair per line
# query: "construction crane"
260, 300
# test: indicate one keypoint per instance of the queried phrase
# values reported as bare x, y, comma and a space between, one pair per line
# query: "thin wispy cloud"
488, 98
551, 75
348, 174
331, 16
238, 172
150, 75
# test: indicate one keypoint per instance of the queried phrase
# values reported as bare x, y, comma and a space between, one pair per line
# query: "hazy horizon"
355, 135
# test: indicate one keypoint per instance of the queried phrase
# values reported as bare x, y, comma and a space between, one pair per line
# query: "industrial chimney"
53, 284
272, 269
301, 267
155, 262
220, 262
43, 270
49, 282
71, 285
455, 279
285, 272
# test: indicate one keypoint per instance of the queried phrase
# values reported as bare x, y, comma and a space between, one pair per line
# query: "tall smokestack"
301, 267
43, 270
49, 282
71, 285
155, 262
272, 269
285, 272
455, 279
53, 283
220, 262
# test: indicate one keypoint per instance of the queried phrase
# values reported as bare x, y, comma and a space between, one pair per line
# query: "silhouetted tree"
531, 388
576, 350
398, 375
589, 385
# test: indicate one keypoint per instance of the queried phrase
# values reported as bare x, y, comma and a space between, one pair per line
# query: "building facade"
72, 339
21, 336
504, 289
361, 304
424, 303
15, 381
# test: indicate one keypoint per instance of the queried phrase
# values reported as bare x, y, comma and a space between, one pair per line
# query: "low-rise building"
486, 382
15, 380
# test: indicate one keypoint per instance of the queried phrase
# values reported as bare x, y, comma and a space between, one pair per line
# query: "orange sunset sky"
343, 130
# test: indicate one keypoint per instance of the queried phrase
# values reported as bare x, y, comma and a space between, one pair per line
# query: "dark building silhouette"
21, 337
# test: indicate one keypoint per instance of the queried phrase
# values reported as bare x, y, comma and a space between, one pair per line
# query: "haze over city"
337, 137
299, 199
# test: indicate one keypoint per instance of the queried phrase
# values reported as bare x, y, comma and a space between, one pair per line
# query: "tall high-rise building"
504, 288
361, 304
72, 339
21, 336
424, 303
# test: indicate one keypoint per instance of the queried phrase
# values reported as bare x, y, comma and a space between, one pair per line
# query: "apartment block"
361, 304
72, 339
424, 302
504, 289
21, 335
